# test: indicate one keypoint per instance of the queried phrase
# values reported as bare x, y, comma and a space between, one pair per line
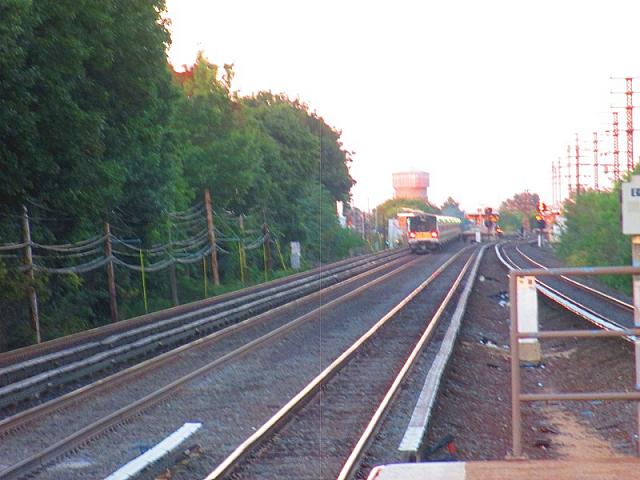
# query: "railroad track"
84, 430
35, 371
351, 395
594, 305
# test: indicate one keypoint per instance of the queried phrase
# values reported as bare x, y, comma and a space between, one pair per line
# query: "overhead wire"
182, 251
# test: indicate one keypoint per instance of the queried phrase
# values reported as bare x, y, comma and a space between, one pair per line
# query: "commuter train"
427, 231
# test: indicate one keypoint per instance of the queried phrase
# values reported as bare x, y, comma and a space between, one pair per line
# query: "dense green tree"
221, 150
519, 208
84, 136
452, 208
94, 126
17, 120
592, 233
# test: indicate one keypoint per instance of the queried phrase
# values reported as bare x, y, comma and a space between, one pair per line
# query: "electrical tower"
616, 149
577, 165
629, 111
556, 183
629, 108
595, 160
568, 175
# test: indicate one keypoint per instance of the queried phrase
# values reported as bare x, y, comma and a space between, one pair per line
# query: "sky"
483, 95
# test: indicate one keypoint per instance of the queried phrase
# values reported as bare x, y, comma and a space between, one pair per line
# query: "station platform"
621, 468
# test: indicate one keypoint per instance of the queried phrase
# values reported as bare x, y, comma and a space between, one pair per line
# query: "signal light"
434, 234
412, 234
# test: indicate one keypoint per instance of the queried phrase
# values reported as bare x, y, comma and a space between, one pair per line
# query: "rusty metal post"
28, 260
635, 259
516, 417
212, 238
111, 278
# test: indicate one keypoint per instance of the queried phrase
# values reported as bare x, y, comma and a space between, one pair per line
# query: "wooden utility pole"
173, 282
28, 260
111, 277
212, 238
241, 252
267, 250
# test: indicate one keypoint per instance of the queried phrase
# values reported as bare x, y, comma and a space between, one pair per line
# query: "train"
428, 231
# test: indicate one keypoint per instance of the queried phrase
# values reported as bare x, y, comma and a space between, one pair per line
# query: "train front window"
424, 224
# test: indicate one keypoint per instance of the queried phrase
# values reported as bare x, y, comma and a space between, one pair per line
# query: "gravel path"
220, 399
477, 385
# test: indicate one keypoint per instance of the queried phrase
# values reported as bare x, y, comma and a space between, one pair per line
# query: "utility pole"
616, 148
266, 245
212, 238
28, 260
559, 183
577, 165
111, 278
595, 160
241, 252
554, 195
570, 186
173, 281
629, 109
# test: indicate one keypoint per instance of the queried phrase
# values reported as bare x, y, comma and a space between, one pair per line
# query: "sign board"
631, 206
295, 255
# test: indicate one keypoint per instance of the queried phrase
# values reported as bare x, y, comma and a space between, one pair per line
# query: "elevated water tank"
411, 185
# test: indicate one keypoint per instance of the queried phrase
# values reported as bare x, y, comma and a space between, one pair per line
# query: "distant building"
411, 185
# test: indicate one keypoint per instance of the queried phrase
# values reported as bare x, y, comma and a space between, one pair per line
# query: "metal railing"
517, 397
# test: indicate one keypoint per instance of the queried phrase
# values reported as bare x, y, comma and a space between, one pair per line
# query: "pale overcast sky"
483, 95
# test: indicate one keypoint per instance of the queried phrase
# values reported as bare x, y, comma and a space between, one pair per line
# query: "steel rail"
19, 420
288, 411
62, 447
352, 462
143, 345
564, 300
33, 351
595, 291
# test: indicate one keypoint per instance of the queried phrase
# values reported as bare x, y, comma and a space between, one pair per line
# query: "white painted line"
166, 446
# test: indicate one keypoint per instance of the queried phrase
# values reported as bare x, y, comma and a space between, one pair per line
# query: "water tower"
411, 185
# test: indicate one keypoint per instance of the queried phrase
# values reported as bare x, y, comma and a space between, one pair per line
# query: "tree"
86, 105
221, 148
451, 208
592, 234
520, 208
